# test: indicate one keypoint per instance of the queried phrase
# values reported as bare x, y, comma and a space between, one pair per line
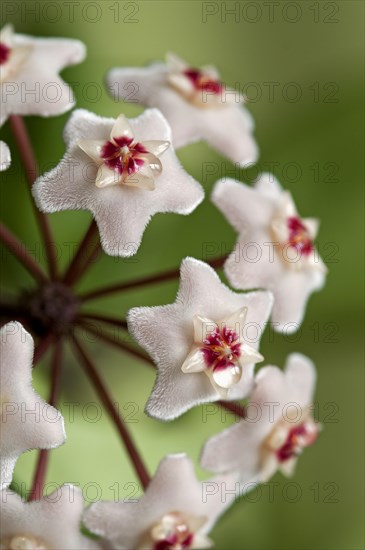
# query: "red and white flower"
278, 427
204, 345
196, 103
29, 67
275, 247
175, 513
27, 421
123, 171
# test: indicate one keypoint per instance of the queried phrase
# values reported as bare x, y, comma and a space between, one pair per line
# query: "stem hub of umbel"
52, 308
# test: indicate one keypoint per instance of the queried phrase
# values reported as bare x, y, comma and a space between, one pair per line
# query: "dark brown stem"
230, 406
119, 323
149, 280
43, 457
234, 408
30, 167
92, 328
42, 347
109, 405
72, 274
13, 244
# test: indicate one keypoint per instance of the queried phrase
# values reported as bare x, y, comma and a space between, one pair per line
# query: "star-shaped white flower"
122, 185
204, 345
275, 247
50, 523
278, 427
177, 511
197, 105
29, 67
27, 421
5, 157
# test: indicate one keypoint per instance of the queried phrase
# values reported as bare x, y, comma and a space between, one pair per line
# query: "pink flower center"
298, 438
203, 82
124, 155
221, 349
4, 53
172, 533
299, 237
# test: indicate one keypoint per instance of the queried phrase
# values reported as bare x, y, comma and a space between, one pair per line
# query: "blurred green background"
312, 130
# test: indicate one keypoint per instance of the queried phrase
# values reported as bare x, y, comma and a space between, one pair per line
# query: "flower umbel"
124, 160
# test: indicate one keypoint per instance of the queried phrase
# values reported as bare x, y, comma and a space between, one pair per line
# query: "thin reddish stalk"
13, 244
104, 319
43, 457
109, 405
234, 408
135, 283
230, 406
72, 273
42, 347
30, 167
109, 339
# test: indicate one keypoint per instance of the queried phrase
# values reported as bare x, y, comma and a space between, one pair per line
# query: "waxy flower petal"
275, 247
278, 427
48, 524
5, 157
27, 421
196, 104
176, 509
29, 67
122, 200
171, 335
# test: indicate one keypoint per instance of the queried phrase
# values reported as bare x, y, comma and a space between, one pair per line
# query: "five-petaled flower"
124, 182
275, 247
196, 104
176, 512
27, 421
278, 427
46, 524
204, 345
29, 67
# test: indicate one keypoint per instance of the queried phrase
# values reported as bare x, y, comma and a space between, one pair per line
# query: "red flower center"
221, 348
299, 237
203, 82
123, 155
4, 53
298, 438
176, 541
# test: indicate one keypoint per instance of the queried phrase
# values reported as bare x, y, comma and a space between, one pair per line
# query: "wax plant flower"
176, 512
51, 522
196, 103
29, 69
282, 258
205, 345
123, 172
278, 427
201, 343
27, 421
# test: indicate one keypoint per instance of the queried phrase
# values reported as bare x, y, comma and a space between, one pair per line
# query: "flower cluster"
204, 346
